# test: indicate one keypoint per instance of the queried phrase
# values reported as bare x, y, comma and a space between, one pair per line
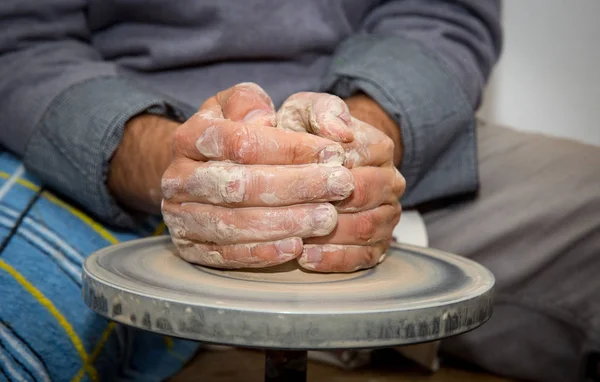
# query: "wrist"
140, 160
367, 110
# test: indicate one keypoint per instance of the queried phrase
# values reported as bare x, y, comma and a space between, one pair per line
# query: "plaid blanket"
47, 333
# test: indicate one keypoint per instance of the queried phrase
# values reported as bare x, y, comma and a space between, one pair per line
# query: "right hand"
240, 193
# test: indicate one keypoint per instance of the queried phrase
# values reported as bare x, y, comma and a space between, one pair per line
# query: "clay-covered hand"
366, 219
240, 193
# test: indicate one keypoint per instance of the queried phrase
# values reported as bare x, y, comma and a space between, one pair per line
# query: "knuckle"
223, 96
344, 261
364, 226
326, 106
289, 223
396, 213
234, 189
388, 146
377, 255
187, 250
401, 184
209, 141
398, 183
398, 209
362, 258
182, 243
288, 152
170, 183
251, 93
239, 94
238, 144
213, 255
249, 86
292, 153
201, 253
297, 97
224, 226
263, 254
360, 195
327, 101
371, 256
338, 107
180, 139
229, 254
173, 221
208, 114
334, 98
242, 146
255, 251
166, 209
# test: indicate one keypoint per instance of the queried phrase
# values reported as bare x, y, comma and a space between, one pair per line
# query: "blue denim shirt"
72, 72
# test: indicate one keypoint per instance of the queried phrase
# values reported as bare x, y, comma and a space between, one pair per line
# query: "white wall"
548, 78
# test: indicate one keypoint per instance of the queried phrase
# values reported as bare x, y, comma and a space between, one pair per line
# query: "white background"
548, 78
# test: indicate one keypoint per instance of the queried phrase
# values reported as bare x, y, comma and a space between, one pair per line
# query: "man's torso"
191, 49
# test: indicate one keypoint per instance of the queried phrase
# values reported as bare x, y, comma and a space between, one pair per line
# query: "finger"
322, 114
370, 147
245, 102
341, 258
220, 225
362, 228
252, 255
204, 138
248, 102
232, 185
373, 186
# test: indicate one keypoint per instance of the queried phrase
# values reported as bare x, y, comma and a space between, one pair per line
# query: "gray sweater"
72, 72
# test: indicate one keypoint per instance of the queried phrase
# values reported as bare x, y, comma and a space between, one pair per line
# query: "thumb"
321, 114
247, 102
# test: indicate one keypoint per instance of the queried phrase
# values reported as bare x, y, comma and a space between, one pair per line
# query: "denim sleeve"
77, 135
64, 107
425, 63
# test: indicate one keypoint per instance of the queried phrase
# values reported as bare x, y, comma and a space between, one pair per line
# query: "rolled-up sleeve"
425, 63
64, 108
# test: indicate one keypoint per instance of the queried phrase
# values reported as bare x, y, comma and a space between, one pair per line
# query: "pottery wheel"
415, 295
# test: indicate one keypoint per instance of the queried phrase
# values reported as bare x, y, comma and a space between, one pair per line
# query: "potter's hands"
240, 193
367, 218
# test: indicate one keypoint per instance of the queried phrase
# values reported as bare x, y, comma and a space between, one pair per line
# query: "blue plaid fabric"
47, 333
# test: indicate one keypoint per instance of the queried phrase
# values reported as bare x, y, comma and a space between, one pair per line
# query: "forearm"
65, 110
140, 161
367, 110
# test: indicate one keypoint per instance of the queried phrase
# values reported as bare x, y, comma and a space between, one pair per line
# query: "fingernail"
257, 115
332, 155
340, 182
287, 246
312, 255
324, 219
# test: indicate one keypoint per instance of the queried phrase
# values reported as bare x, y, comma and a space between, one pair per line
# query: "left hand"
366, 219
